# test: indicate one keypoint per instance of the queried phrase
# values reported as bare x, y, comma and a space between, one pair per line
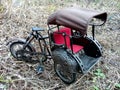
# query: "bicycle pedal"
39, 69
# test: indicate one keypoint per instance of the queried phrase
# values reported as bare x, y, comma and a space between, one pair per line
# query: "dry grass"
16, 20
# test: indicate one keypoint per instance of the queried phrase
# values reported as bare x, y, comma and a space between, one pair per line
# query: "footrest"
39, 69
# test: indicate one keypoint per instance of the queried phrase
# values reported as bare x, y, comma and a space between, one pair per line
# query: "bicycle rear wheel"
27, 54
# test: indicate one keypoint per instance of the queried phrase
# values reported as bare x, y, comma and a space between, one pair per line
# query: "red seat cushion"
59, 39
77, 48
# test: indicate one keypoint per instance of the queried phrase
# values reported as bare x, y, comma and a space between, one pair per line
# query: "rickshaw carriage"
71, 49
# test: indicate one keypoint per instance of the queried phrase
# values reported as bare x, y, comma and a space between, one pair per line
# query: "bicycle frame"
37, 35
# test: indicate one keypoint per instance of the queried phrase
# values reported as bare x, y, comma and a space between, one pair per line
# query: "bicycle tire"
28, 48
12, 45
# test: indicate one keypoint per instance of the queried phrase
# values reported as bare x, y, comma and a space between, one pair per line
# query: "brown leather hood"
75, 18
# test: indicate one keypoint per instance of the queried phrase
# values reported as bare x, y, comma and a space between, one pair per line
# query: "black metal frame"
38, 36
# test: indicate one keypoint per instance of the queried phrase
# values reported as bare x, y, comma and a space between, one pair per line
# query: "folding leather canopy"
75, 18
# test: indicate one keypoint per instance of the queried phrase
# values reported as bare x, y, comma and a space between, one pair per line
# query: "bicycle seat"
37, 29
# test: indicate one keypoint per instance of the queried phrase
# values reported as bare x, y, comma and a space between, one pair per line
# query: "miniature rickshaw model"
71, 49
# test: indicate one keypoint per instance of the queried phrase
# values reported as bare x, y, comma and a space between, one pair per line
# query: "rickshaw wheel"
65, 75
17, 46
17, 51
62, 66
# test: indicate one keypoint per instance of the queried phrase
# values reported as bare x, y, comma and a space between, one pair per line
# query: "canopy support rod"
58, 28
93, 31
